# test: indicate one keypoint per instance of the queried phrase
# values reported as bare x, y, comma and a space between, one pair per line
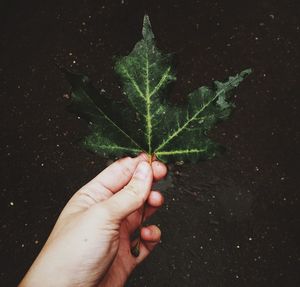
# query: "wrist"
44, 272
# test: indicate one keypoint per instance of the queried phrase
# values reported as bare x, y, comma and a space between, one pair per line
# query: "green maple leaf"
146, 121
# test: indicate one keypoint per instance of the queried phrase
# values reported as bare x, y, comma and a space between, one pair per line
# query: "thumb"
133, 195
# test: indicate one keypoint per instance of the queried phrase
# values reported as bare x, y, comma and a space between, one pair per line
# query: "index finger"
118, 174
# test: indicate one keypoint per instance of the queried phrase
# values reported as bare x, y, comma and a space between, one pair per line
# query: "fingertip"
116, 175
142, 156
146, 233
155, 199
159, 170
151, 233
124, 161
150, 238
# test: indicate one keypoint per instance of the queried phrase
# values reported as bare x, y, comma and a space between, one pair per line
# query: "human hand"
90, 242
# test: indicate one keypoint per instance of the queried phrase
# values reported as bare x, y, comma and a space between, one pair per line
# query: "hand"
90, 243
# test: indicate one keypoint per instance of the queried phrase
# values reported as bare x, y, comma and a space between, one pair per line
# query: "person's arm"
90, 243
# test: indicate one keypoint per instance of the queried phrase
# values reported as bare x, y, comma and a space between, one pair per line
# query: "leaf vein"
182, 151
111, 121
115, 147
181, 128
134, 83
161, 82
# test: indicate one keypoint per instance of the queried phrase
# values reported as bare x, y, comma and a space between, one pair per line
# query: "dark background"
231, 221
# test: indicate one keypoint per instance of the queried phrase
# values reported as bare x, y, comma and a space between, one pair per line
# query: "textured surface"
230, 221
144, 120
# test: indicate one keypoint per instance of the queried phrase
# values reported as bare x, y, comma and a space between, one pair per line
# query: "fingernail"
142, 170
148, 231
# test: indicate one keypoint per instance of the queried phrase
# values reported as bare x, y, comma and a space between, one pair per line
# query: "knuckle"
124, 165
126, 172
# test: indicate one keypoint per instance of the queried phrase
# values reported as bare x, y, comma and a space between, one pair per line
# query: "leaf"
146, 121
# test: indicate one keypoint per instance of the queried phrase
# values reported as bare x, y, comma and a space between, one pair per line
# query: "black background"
231, 221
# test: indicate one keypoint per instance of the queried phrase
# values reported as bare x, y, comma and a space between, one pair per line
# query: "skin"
90, 242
